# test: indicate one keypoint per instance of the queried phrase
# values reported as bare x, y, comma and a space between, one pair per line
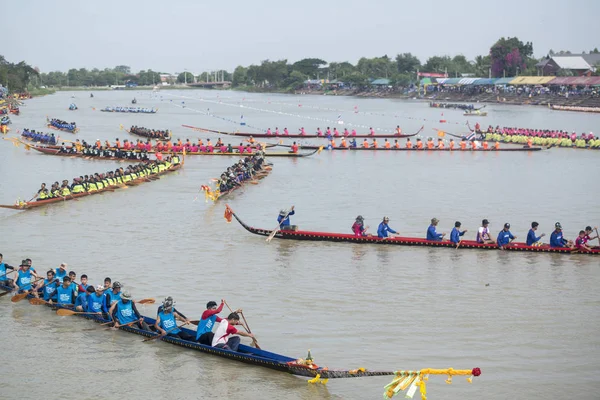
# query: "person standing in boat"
384, 230
223, 339
432, 233
166, 321
532, 239
284, 219
456, 233
483, 234
124, 312
505, 237
359, 228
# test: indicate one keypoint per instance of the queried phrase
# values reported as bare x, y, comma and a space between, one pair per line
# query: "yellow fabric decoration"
413, 379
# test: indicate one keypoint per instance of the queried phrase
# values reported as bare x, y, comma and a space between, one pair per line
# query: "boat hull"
492, 150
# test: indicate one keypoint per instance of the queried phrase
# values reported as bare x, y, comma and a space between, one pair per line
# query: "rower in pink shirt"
346, 133
249, 149
371, 131
285, 132
276, 131
319, 132
269, 132
336, 132
328, 131
302, 131
223, 149
353, 132
210, 148
194, 148
240, 148
202, 148
573, 136
148, 146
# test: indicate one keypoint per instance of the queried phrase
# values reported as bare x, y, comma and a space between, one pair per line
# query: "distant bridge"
211, 85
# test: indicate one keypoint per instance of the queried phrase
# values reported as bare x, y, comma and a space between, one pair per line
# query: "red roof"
576, 80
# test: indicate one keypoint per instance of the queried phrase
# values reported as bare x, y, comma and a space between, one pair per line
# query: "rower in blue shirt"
166, 321
124, 312
383, 230
4, 271
61, 271
284, 218
505, 237
533, 240
114, 295
456, 233
48, 287
23, 278
556, 237
353, 143
432, 233
64, 293
96, 302
82, 299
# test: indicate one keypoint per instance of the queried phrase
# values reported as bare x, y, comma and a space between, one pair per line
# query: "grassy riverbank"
36, 92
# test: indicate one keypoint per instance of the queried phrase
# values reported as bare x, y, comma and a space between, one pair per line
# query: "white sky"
201, 35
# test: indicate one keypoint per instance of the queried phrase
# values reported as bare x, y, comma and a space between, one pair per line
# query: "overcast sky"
197, 35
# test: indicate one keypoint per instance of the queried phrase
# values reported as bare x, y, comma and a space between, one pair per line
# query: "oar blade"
147, 301
36, 302
18, 297
63, 312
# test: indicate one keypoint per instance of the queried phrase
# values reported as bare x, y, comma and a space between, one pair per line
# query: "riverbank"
37, 92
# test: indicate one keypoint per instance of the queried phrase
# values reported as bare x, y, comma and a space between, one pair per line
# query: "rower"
81, 301
284, 219
61, 271
353, 143
396, 144
430, 143
365, 144
64, 293
432, 233
588, 232
74, 285
3, 272
581, 242
124, 312
387, 144
374, 144
384, 229
42, 194
440, 144
344, 144
302, 131
285, 131
483, 233
532, 239
114, 295
294, 148
409, 144
398, 130
358, 228
556, 237
96, 302
456, 233
451, 144
419, 144
505, 237
371, 131
49, 286
166, 321
463, 144
227, 328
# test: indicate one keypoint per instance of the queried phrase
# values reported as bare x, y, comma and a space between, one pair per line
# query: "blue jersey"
556, 239
168, 323
432, 234
23, 280
286, 221
3, 271
531, 238
65, 296
60, 275
82, 300
96, 303
504, 238
111, 298
455, 235
50, 290
205, 325
124, 312
383, 230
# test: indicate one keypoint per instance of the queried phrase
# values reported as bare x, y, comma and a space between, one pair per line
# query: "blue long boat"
274, 361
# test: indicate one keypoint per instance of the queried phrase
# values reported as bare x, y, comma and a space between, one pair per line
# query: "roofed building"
573, 64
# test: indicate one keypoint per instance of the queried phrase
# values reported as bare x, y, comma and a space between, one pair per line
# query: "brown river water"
533, 330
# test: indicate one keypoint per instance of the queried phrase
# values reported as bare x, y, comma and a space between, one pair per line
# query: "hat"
435, 220
283, 213
507, 226
558, 225
386, 218
116, 285
126, 296
485, 222
24, 263
63, 265
100, 288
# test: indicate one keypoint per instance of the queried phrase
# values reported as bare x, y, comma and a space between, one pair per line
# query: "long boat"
299, 136
57, 152
408, 380
35, 204
393, 149
132, 110
63, 129
160, 139
216, 194
399, 241
54, 151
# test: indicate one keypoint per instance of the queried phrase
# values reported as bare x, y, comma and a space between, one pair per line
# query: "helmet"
168, 302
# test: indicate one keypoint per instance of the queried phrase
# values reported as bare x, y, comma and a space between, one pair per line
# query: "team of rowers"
464, 144
39, 137
168, 147
150, 133
109, 302
541, 133
89, 150
130, 110
100, 181
504, 238
60, 124
328, 132
241, 171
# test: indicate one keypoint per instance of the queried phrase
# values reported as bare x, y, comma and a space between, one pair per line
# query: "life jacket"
408, 145
388, 145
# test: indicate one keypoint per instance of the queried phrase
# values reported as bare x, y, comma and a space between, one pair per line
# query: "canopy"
531, 80
576, 80
448, 81
427, 81
381, 81
485, 81
503, 81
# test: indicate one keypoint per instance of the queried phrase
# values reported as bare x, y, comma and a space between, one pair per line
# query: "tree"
123, 69
240, 76
185, 77
308, 66
378, 67
438, 64
509, 56
407, 63
357, 80
295, 80
339, 70
147, 78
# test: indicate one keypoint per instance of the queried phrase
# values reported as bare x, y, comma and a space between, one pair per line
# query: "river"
529, 321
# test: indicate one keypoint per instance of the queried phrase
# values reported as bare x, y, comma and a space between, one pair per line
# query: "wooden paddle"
63, 312
146, 301
162, 335
272, 235
246, 328
38, 302
5, 293
20, 296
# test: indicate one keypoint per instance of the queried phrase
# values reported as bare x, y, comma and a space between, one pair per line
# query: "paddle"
63, 312
272, 235
9, 272
254, 341
162, 335
20, 296
146, 301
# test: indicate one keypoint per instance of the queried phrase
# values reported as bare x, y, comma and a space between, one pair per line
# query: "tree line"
16, 77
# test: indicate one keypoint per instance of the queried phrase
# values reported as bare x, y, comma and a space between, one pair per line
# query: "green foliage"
240, 76
378, 67
185, 77
309, 66
340, 70
407, 63
16, 76
295, 80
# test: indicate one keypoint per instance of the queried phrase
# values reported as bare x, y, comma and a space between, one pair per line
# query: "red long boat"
399, 241
298, 136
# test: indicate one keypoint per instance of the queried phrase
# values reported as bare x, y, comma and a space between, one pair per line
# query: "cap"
386, 218
558, 225
485, 222
506, 225
100, 288
116, 284
126, 296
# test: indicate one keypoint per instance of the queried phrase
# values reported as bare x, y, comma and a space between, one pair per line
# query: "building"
569, 64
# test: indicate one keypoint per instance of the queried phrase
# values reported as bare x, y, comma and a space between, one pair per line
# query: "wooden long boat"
215, 195
63, 129
298, 136
400, 241
54, 151
524, 148
57, 152
278, 362
161, 139
35, 204
475, 114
